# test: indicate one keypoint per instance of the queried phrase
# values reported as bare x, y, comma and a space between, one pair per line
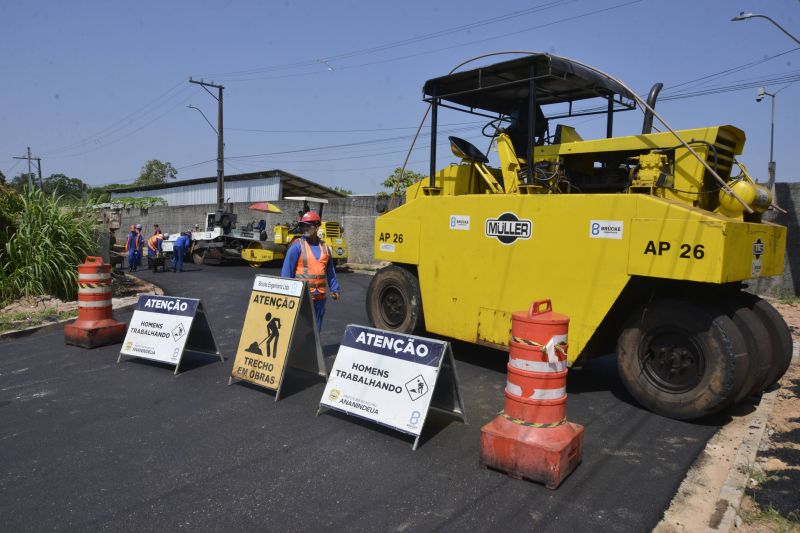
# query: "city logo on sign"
507, 228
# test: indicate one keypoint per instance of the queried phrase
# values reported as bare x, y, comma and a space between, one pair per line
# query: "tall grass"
45, 242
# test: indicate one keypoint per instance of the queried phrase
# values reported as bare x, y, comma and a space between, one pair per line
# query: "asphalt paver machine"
645, 240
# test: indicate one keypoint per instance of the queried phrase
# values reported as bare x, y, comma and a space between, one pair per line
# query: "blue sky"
98, 88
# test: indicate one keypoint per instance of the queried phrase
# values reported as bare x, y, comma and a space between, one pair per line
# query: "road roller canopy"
501, 87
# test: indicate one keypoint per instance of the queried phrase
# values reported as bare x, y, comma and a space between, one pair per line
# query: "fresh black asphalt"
90, 445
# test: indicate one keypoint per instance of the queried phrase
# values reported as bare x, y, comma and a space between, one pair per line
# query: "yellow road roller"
644, 240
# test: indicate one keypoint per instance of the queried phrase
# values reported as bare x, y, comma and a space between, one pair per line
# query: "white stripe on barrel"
92, 277
538, 394
537, 366
98, 290
98, 303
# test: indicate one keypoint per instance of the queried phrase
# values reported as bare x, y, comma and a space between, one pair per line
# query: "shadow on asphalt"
295, 381
598, 374
191, 360
435, 423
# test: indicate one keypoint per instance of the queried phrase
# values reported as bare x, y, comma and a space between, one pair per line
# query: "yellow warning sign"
267, 332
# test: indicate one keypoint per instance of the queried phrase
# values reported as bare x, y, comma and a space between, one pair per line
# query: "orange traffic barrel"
531, 438
541, 327
536, 397
95, 325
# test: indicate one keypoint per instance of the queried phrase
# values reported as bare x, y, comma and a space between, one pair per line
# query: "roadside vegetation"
42, 239
22, 320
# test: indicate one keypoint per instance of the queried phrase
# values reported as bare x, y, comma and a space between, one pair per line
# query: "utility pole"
30, 180
220, 141
39, 169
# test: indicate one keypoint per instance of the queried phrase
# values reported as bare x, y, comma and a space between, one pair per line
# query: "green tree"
346, 192
399, 181
2, 178
155, 172
102, 194
60, 185
20, 182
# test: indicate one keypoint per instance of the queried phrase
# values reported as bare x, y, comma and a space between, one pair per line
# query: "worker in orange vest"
309, 258
154, 249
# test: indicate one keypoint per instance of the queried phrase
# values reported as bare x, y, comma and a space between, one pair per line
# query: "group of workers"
134, 248
308, 258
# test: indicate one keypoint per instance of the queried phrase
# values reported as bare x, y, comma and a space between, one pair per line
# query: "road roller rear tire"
678, 358
779, 334
760, 352
394, 302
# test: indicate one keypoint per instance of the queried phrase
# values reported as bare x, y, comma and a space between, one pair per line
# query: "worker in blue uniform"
131, 248
309, 258
178, 250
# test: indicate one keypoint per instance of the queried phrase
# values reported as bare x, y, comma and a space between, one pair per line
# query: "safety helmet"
138, 226
310, 218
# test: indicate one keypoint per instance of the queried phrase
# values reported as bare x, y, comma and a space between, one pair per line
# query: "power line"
121, 123
394, 44
365, 130
125, 136
731, 70
437, 50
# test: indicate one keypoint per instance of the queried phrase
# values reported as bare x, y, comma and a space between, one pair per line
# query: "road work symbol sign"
279, 331
163, 327
392, 379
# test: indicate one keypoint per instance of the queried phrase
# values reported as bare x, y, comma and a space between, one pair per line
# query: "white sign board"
162, 327
392, 379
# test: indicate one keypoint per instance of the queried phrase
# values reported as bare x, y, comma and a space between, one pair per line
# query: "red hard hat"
310, 217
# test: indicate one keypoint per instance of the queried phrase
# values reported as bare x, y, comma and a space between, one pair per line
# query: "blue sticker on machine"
168, 305
406, 347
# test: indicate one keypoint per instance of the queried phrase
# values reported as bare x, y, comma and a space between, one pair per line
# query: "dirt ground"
772, 497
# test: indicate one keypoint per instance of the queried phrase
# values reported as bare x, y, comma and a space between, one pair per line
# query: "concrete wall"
356, 213
787, 196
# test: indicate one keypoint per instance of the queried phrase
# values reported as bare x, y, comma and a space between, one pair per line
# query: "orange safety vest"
314, 270
152, 243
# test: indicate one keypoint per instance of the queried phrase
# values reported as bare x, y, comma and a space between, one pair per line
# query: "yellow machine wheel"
253, 246
394, 302
679, 358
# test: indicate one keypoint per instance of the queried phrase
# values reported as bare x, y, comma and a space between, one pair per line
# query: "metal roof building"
266, 186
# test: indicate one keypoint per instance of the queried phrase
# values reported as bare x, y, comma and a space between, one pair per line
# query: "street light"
747, 16
762, 92
190, 106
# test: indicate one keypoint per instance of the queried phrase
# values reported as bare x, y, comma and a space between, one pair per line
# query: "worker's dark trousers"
177, 258
319, 312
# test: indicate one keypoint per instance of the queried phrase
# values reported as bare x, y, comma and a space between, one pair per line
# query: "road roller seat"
466, 150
